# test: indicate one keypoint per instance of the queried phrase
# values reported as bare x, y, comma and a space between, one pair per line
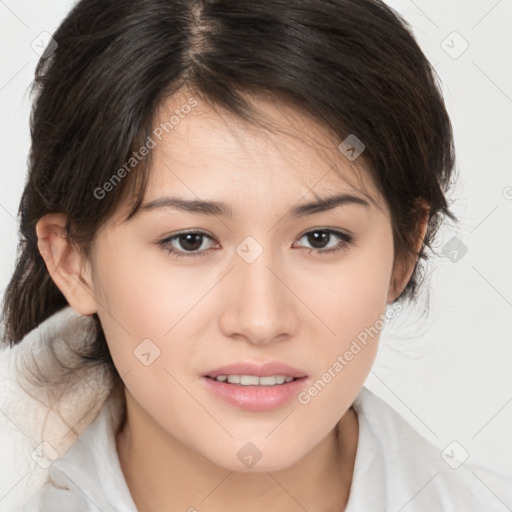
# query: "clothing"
395, 468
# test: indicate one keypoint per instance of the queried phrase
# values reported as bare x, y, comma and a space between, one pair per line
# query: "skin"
178, 449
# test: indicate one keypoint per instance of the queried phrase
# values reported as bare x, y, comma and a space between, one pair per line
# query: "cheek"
148, 316
351, 295
351, 301
135, 289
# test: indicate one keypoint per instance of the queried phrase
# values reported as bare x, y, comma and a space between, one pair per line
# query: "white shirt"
396, 470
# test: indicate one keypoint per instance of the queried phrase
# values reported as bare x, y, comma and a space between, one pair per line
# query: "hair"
352, 65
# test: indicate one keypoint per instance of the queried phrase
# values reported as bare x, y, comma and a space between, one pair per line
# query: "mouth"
255, 387
248, 373
254, 380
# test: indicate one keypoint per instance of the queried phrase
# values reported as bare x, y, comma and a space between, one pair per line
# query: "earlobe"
64, 263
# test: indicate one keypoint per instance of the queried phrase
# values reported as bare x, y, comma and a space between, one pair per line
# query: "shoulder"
409, 473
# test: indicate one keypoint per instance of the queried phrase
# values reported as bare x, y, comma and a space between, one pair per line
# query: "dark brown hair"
353, 65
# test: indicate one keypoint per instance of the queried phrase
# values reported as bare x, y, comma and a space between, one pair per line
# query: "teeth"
253, 380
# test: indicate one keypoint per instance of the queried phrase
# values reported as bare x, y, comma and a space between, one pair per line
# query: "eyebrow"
215, 208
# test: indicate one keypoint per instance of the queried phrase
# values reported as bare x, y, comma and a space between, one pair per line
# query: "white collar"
39, 424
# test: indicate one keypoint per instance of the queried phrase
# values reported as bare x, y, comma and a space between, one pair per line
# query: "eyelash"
346, 240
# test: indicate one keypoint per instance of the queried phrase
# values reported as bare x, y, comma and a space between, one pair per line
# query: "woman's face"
249, 289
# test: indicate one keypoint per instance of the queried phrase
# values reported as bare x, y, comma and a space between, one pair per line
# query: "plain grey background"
448, 372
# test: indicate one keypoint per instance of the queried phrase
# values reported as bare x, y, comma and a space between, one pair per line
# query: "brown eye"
320, 239
185, 244
190, 241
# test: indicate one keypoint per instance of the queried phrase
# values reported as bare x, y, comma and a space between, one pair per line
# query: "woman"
306, 151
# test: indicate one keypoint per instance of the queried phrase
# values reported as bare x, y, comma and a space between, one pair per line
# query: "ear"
66, 266
403, 269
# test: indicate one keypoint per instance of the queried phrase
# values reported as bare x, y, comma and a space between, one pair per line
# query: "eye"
191, 242
320, 239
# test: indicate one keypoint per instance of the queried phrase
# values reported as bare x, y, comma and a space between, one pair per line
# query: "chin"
251, 458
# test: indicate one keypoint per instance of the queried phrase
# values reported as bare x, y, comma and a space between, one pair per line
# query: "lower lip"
255, 398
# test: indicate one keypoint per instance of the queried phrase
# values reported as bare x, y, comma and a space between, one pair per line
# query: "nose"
260, 307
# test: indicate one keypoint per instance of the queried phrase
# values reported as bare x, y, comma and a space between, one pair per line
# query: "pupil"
189, 241
317, 236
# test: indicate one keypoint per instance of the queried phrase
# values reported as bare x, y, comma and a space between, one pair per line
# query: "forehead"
207, 153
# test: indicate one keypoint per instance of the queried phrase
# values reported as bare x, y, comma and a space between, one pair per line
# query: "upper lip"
258, 369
